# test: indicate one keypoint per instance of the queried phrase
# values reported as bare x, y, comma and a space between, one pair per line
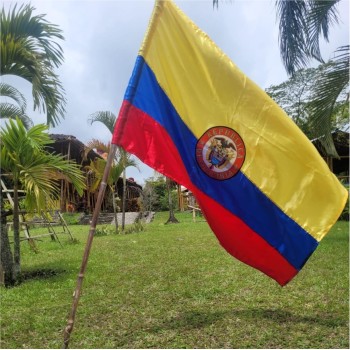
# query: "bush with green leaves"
136, 227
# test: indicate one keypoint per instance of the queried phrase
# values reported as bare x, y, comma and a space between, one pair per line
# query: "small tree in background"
34, 170
122, 161
159, 195
302, 25
150, 197
109, 119
296, 96
170, 185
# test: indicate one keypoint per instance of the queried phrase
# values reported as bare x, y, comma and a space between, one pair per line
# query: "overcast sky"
102, 39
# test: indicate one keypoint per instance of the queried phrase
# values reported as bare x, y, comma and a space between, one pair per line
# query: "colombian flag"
192, 115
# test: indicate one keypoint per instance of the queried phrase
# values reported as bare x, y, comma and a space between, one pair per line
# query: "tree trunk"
172, 219
62, 198
124, 199
115, 212
5, 249
16, 233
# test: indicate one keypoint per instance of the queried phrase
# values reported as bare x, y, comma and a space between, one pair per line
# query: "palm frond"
292, 34
29, 50
13, 136
39, 176
23, 155
10, 111
128, 160
105, 117
116, 172
21, 23
321, 16
96, 168
100, 146
328, 89
6, 90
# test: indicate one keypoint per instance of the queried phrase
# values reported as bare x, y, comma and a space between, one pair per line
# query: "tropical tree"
302, 23
170, 185
159, 195
155, 193
150, 196
296, 95
10, 110
109, 119
29, 51
118, 167
34, 170
327, 98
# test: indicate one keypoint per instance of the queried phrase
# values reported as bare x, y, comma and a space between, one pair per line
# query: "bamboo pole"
77, 292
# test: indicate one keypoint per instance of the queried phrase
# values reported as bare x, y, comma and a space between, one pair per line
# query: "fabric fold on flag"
192, 115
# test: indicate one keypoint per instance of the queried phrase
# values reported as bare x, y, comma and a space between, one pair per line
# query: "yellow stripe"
208, 90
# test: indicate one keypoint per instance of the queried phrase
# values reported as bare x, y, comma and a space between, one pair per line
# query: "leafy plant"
29, 51
297, 96
72, 218
136, 227
104, 231
10, 110
23, 155
121, 162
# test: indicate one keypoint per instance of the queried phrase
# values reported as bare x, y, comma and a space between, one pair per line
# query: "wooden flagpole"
95, 215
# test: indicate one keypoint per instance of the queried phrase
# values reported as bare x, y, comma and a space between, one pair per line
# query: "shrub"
136, 227
104, 231
72, 218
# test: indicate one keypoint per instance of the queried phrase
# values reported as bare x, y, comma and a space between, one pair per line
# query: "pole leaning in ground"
69, 328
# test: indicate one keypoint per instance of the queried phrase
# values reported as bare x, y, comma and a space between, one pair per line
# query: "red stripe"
141, 135
243, 243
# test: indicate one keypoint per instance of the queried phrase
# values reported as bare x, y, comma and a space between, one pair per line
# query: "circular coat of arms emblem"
220, 152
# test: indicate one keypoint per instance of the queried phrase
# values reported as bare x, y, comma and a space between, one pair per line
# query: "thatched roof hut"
73, 149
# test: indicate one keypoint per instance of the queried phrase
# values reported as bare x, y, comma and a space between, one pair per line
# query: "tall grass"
173, 286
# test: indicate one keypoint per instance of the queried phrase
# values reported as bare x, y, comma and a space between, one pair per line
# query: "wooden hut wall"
73, 149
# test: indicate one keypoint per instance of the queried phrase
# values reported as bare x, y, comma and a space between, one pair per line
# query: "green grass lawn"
173, 286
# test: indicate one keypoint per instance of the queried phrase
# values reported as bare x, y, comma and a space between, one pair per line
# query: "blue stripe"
237, 194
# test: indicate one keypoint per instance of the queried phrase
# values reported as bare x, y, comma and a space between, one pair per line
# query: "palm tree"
33, 169
97, 166
10, 110
333, 84
302, 24
109, 119
29, 51
297, 97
